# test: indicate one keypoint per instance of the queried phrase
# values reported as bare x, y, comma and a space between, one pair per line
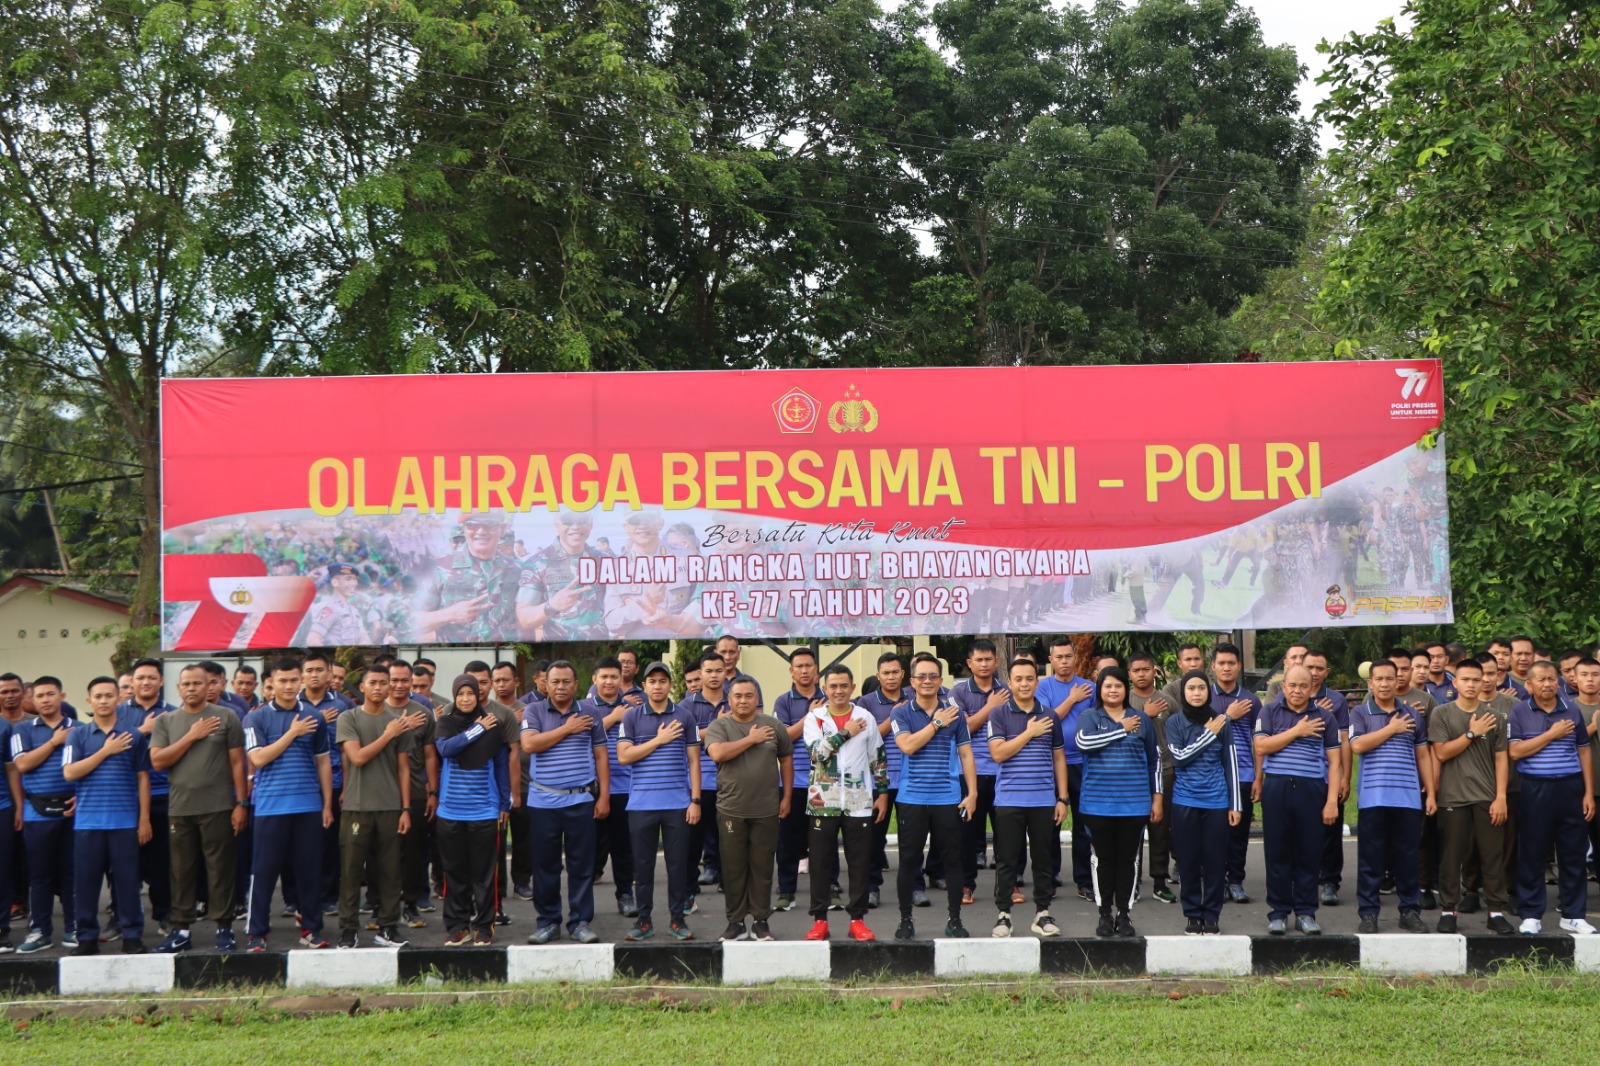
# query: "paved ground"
1076, 917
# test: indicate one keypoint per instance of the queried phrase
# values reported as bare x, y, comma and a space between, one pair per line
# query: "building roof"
41, 580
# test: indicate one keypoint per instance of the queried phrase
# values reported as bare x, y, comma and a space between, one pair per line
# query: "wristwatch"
1471, 735
695, 800
1063, 801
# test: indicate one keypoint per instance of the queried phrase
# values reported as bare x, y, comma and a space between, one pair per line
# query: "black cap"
657, 668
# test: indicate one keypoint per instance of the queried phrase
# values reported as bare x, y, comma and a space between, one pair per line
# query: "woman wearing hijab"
474, 798
1119, 795
1205, 801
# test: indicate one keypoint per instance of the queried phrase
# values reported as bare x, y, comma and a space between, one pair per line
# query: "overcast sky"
1302, 23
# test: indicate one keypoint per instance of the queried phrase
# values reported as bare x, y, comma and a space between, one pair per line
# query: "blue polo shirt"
1304, 756
1341, 706
1443, 691
970, 698
45, 779
108, 796
1388, 774
329, 699
1028, 778
130, 716
1513, 686
932, 776
1559, 758
661, 778
288, 784
882, 709
621, 776
1242, 731
567, 765
791, 709
1205, 767
1051, 692
1119, 768
705, 712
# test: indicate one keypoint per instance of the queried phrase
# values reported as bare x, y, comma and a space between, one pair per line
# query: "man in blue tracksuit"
287, 747
110, 764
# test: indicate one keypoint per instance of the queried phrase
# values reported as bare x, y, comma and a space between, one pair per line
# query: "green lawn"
1517, 1019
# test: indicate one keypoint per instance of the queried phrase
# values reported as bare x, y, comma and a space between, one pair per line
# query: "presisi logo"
1400, 604
1415, 382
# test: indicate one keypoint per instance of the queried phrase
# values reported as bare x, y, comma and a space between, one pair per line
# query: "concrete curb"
748, 963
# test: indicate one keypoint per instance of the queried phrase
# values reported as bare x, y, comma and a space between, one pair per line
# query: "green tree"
1106, 185
128, 240
1467, 169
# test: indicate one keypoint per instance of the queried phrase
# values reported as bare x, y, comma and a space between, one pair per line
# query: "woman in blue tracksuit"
474, 796
1119, 795
1205, 801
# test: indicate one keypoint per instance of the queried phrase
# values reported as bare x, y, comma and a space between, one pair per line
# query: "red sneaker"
819, 930
859, 931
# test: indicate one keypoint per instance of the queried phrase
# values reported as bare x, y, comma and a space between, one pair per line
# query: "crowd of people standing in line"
1475, 787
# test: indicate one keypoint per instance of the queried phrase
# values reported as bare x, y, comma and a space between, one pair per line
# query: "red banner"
468, 508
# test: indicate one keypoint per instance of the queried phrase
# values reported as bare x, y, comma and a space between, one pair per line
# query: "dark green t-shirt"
201, 781
376, 785
1469, 777
747, 786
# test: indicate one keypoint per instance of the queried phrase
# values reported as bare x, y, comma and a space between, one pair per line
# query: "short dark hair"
1524, 639
723, 637
891, 657
503, 665
1435, 644
1382, 663
1062, 641
807, 652
148, 661
1486, 657
1547, 665
1420, 653
1498, 640
8, 676
1397, 652
374, 668
101, 680
1192, 646
607, 662
709, 655
1470, 664
625, 650
1019, 661
541, 665
46, 679
429, 663
927, 657
215, 669
1226, 649
246, 669
476, 666
838, 668
1141, 657
743, 681
562, 664
982, 644
401, 663
316, 656
1293, 644
286, 665
1588, 660
1570, 653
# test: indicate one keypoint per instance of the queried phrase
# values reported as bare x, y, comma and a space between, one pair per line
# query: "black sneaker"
1470, 904
955, 930
1163, 893
760, 931
1369, 924
735, 931
1428, 900
87, 946
1412, 922
905, 930
1193, 927
1125, 926
1386, 886
1086, 892
502, 918
1106, 927
348, 940
1499, 923
134, 946
391, 937
412, 918
1210, 929
1447, 923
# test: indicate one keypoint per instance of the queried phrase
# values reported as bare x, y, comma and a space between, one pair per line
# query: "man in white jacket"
848, 791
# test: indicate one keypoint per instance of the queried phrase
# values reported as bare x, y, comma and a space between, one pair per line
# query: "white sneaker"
1578, 927
1002, 925
1530, 927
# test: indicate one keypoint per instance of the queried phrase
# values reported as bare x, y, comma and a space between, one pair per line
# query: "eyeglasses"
925, 677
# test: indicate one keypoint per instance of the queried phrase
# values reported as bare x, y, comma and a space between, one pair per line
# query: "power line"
74, 455
74, 484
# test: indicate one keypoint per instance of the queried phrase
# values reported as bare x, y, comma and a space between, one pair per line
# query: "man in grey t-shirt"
201, 748
753, 754
375, 811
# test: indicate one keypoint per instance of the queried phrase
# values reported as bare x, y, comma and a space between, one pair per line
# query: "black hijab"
1196, 714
